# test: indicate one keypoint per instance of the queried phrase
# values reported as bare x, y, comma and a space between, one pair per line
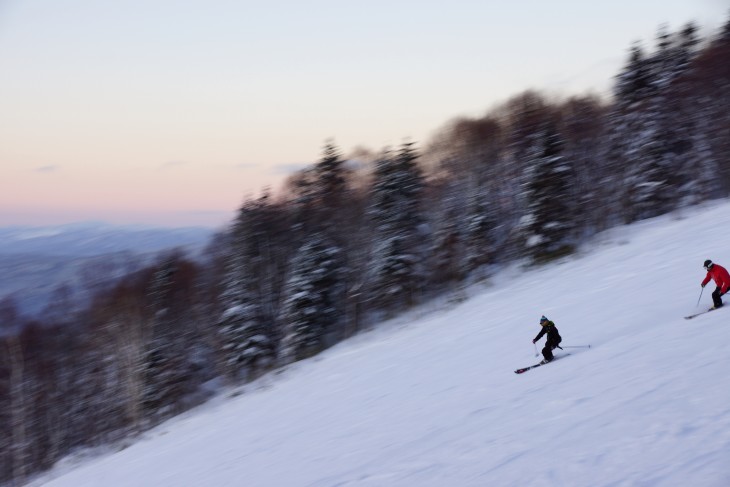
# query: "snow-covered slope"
431, 399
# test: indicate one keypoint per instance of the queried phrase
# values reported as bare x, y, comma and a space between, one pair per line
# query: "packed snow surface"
430, 399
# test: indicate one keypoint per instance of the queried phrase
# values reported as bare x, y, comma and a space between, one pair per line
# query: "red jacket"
721, 277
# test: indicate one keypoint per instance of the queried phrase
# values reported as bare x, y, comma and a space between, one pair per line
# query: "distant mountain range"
34, 261
89, 239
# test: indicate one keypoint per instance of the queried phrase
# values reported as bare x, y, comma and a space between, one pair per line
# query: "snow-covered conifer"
479, 232
312, 300
246, 334
396, 215
548, 225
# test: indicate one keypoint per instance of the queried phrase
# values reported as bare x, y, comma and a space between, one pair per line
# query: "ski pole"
576, 346
535, 345
698, 299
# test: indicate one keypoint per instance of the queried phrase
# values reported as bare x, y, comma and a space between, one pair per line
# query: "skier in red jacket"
721, 277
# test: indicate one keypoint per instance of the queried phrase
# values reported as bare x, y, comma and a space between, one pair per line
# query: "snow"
430, 399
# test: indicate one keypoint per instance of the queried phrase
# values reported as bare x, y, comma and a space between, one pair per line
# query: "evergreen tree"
664, 153
312, 305
480, 233
699, 166
330, 176
583, 125
447, 250
159, 360
397, 191
384, 193
634, 83
642, 134
396, 276
663, 62
302, 205
548, 225
687, 127
168, 368
687, 47
395, 212
410, 186
320, 196
649, 182
247, 343
246, 334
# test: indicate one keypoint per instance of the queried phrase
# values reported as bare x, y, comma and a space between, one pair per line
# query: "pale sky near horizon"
170, 112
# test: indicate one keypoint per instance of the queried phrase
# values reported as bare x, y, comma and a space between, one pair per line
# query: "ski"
525, 369
698, 314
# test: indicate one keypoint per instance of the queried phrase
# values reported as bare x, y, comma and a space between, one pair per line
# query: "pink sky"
171, 112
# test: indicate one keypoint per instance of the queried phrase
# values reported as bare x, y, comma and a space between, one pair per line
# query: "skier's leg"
547, 352
716, 300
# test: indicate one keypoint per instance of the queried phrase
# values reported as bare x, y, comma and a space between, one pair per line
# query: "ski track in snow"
430, 399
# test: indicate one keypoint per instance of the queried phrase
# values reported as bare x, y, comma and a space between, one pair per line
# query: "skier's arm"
706, 280
539, 335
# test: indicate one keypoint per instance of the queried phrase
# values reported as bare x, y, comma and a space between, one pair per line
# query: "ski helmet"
708, 264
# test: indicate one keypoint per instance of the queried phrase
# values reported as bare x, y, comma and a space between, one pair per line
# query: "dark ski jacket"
553, 337
721, 277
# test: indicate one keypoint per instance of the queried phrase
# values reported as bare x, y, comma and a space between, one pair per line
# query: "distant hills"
89, 239
34, 261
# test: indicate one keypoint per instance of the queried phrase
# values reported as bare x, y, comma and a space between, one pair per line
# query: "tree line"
351, 241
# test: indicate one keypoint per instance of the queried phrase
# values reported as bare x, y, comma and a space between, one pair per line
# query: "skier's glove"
533, 341
702, 286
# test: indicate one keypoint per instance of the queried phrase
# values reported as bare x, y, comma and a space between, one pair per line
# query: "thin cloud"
289, 168
47, 169
243, 166
172, 165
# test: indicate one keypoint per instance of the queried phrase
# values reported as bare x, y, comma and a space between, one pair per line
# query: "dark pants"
717, 301
547, 350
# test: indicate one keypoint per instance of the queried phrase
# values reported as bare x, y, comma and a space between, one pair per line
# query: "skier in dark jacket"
721, 277
553, 339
